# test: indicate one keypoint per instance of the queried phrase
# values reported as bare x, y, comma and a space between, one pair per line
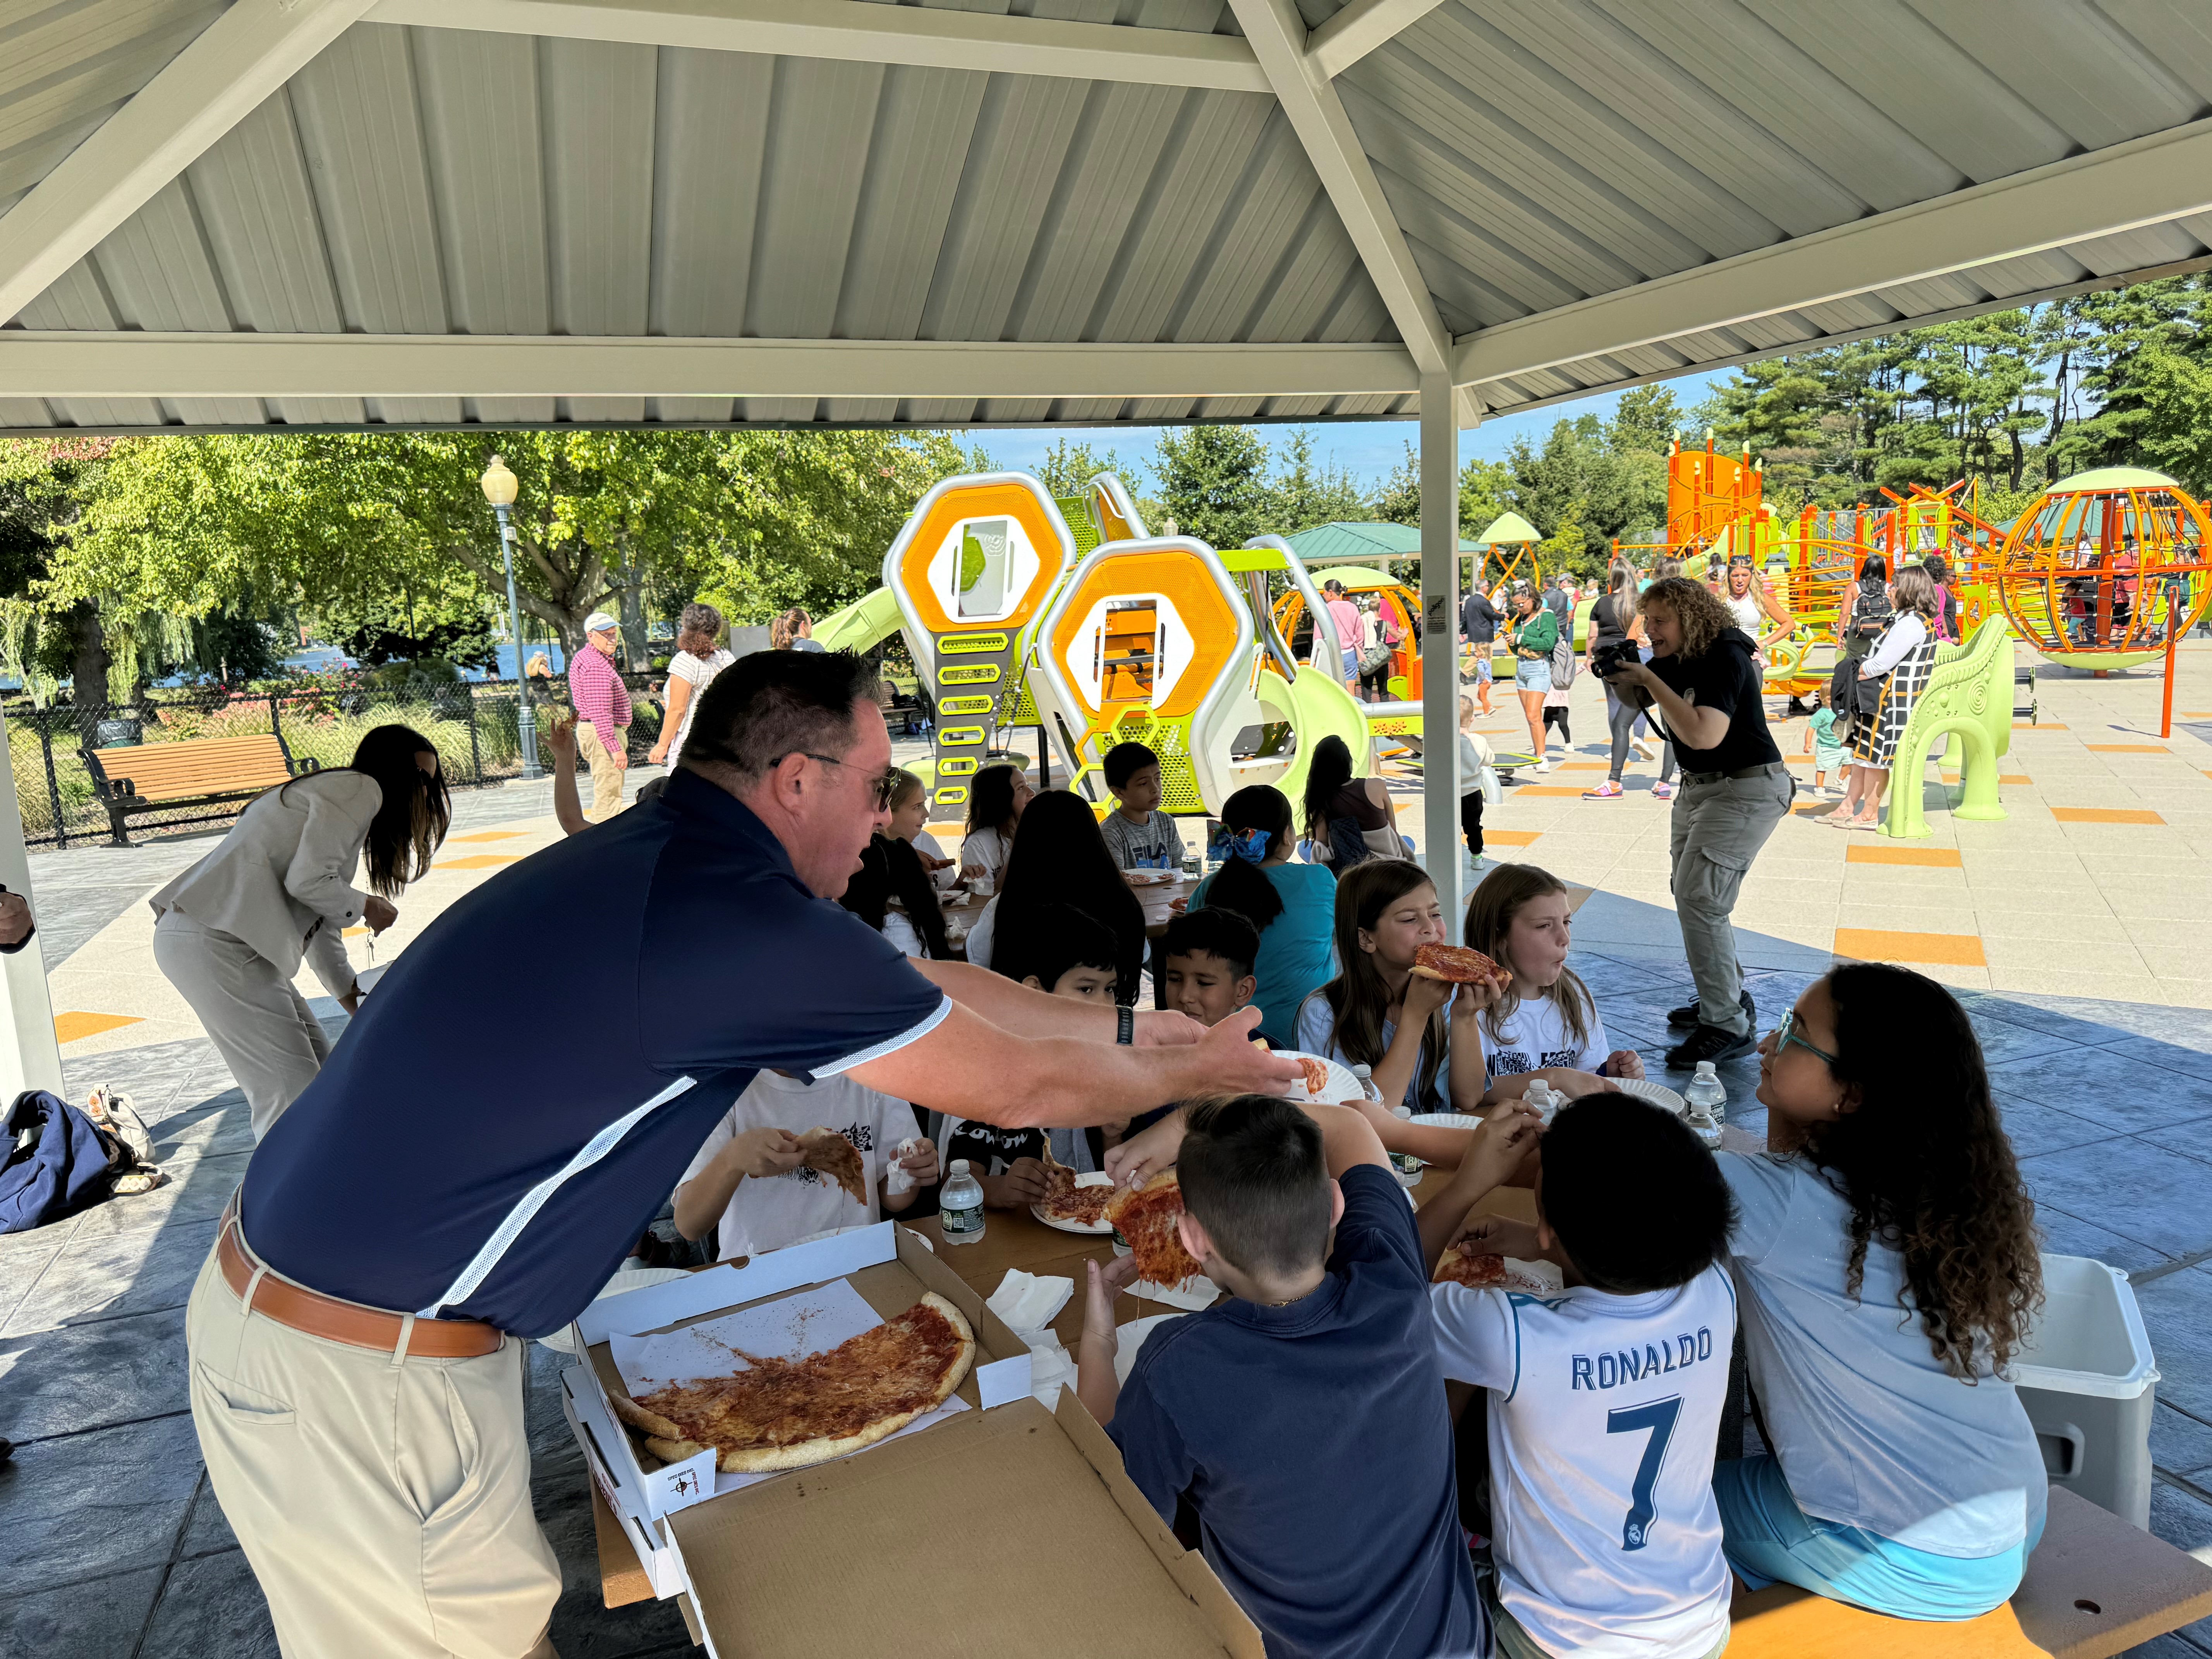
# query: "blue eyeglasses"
1786, 1033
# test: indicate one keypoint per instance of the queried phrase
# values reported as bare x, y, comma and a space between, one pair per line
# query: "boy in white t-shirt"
751, 1179
1547, 1023
1604, 1403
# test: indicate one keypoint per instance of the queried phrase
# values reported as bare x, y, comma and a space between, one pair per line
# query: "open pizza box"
914, 1533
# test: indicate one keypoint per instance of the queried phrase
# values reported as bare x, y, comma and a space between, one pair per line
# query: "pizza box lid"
888, 1264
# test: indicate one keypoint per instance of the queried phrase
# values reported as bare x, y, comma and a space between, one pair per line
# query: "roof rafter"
57, 364
2123, 187
1316, 115
1359, 28
234, 63
853, 31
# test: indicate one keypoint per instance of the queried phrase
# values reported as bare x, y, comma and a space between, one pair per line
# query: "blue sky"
1368, 449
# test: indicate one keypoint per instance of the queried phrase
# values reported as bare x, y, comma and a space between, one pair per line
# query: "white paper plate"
1657, 1093
1341, 1084
1149, 877
1448, 1120
1089, 1178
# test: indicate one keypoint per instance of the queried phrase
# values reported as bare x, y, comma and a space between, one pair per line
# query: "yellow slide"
1317, 706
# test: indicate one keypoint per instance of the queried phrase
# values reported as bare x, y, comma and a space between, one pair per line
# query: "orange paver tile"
482, 861
2125, 748
2105, 815
1878, 944
1510, 837
68, 1027
1574, 789
2037, 726
487, 834
1933, 858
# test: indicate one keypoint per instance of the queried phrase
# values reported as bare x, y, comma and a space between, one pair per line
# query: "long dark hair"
1242, 886
1059, 858
412, 821
1927, 1166
1500, 896
891, 869
991, 798
1330, 771
1358, 1001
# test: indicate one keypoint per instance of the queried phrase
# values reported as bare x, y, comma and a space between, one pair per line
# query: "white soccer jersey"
1604, 1411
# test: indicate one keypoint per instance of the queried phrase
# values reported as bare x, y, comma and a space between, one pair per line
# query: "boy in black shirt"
1305, 1419
1704, 684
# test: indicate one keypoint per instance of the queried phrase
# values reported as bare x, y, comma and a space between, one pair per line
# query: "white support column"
1440, 642
30, 1055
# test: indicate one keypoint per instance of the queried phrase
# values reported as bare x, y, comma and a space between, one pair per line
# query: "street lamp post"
500, 488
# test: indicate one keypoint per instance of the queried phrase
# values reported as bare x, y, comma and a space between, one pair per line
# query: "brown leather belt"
297, 1308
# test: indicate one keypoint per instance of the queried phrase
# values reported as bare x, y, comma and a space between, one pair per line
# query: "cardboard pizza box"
1004, 1529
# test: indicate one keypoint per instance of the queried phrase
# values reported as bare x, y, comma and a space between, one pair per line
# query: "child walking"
1823, 744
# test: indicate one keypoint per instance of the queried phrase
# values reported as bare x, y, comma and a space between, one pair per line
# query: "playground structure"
2107, 570
1967, 704
1021, 609
1398, 714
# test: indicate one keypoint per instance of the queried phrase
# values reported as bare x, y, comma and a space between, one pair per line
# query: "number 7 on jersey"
1658, 1417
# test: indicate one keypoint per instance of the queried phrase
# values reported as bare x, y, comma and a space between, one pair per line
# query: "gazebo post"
30, 1050
1440, 641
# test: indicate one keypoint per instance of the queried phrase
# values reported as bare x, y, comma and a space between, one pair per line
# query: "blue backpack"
59, 1162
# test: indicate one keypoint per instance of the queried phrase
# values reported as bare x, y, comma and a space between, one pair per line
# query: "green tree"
1301, 496
1213, 481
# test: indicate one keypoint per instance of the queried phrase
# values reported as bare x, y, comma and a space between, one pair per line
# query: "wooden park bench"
219, 773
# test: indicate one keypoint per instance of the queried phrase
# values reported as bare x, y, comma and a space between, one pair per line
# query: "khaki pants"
1718, 827
260, 1022
606, 780
383, 1506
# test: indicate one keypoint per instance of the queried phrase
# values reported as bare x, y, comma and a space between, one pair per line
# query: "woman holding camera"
1610, 619
1701, 680
1536, 631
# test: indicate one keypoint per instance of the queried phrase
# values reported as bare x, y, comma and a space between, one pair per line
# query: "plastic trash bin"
2088, 1378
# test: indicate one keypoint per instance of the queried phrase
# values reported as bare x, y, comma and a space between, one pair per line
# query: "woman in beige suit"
233, 928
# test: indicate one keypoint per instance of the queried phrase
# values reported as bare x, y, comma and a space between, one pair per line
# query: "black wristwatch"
1125, 1024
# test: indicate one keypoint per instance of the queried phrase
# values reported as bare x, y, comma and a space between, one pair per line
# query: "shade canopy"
1509, 528
436, 213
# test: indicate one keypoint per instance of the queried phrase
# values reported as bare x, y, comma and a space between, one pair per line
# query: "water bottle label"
968, 1220
1406, 1163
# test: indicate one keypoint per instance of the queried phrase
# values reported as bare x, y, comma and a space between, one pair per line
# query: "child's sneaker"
1606, 791
1663, 791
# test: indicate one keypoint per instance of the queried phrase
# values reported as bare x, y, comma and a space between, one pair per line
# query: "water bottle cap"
1706, 1070
1401, 1111
960, 1166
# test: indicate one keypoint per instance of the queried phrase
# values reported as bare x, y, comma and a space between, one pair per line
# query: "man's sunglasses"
885, 783
1786, 1033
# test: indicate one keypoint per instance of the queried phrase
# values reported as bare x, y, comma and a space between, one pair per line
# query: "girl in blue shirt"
1291, 905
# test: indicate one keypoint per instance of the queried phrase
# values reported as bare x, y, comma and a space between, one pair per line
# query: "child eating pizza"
1545, 1023
1305, 1420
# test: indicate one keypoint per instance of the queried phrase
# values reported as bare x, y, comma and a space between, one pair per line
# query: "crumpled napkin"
895, 1178
1194, 1294
1028, 1303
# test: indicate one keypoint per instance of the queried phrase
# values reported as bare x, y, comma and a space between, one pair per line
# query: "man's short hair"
1217, 932
774, 703
1125, 760
1637, 1203
1253, 1174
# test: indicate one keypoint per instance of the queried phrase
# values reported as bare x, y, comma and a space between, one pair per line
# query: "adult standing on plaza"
1477, 628
460, 1178
697, 660
602, 712
1346, 615
233, 930
1734, 790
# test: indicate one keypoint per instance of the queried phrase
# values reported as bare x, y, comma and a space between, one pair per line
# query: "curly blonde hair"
1698, 610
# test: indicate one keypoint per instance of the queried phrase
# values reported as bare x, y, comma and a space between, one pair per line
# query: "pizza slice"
1065, 1200
1458, 1266
1145, 1218
1316, 1073
838, 1158
1457, 965
791, 1413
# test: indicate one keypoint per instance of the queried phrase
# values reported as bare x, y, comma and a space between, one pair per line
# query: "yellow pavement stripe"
2037, 726
1934, 858
2104, 815
68, 1027
487, 834
2126, 748
1510, 837
1878, 944
482, 861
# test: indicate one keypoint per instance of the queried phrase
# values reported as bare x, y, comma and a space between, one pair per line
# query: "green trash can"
2088, 1378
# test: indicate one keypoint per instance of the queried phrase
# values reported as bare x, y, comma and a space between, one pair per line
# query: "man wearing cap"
602, 703
465, 1173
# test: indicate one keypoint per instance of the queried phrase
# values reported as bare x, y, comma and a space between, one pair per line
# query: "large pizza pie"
1065, 1201
1458, 965
1145, 1216
790, 1414
838, 1158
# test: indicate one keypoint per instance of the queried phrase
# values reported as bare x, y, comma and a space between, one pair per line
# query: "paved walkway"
118, 1548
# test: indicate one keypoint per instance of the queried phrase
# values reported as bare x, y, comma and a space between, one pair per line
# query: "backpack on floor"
59, 1162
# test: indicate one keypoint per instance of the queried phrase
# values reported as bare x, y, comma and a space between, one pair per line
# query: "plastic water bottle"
960, 1207
1366, 1076
1707, 1097
1408, 1167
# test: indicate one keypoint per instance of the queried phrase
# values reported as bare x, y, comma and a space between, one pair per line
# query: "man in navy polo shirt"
466, 1171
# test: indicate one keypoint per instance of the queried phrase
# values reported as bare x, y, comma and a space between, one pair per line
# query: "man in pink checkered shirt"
602, 701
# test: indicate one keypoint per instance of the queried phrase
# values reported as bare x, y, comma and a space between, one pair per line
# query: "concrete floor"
2103, 1068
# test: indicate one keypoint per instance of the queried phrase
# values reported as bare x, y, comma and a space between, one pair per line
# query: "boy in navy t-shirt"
1305, 1419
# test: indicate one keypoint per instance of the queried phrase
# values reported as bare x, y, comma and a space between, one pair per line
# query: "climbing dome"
2105, 566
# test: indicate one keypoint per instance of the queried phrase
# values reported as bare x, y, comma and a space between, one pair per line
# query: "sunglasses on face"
885, 784
1786, 1033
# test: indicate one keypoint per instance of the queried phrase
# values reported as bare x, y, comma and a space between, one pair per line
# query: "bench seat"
136, 778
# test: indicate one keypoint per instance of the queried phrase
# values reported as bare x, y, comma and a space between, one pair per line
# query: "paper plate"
1657, 1093
1149, 877
1341, 1084
1448, 1120
1091, 1178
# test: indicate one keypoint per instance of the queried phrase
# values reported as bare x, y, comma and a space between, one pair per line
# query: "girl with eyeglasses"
1886, 1257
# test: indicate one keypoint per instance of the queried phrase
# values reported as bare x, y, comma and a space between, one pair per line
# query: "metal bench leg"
117, 823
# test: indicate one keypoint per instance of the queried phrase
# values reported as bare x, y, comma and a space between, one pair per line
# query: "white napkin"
1028, 1303
1131, 1337
895, 1178
1051, 1366
1195, 1292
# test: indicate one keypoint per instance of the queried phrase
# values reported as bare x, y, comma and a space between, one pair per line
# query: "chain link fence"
473, 725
